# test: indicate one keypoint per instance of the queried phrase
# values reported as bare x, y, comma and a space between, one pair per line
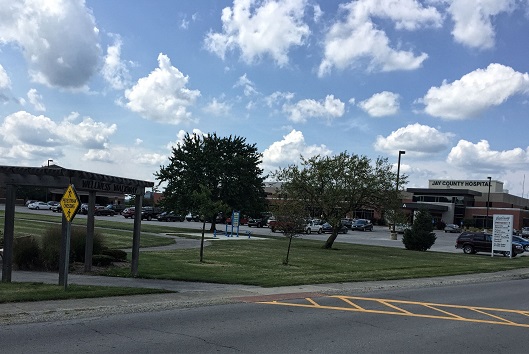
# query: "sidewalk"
191, 294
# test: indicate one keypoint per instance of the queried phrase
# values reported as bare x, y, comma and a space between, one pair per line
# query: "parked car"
118, 208
170, 216
149, 213
327, 228
347, 223
56, 208
313, 226
129, 213
102, 211
256, 222
52, 204
362, 225
84, 209
473, 242
30, 201
522, 241
400, 228
452, 228
192, 217
38, 206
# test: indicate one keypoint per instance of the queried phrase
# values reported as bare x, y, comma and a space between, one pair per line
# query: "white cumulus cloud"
475, 92
5, 81
416, 139
288, 151
115, 71
27, 135
473, 20
329, 108
162, 96
59, 39
260, 28
480, 157
36, 100
381, 104
355, 40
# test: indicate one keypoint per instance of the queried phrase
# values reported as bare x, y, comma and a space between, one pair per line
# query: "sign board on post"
70, 206
502, 234
70, 203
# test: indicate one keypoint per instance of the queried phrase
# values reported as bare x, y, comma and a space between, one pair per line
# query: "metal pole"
401, 152
488, 202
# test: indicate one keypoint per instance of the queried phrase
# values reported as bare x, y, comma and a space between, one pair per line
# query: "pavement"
192, 294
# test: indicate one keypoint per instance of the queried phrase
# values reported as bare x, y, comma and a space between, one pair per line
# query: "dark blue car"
522, 241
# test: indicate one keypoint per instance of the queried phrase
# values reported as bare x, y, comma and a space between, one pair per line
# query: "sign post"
502, 234
70, 206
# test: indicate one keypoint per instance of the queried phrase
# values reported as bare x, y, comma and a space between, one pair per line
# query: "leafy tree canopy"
227, 167
331, 186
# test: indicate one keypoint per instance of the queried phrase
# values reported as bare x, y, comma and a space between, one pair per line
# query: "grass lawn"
17, 292
260, 262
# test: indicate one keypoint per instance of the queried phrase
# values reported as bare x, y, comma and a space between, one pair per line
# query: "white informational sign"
502, 234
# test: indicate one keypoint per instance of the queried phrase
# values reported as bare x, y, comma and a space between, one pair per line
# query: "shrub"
26, 253
116, 255
78, 243
101, 260
51, 246
421, 236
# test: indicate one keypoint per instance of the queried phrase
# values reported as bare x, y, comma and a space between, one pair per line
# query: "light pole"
401, 152
488, 202
49, 160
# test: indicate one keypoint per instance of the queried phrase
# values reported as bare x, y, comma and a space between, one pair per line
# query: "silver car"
452, 228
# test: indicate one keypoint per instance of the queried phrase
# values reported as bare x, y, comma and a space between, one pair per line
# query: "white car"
39, 205
313, 226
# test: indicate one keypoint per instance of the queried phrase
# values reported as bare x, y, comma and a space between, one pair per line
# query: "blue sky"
110, 86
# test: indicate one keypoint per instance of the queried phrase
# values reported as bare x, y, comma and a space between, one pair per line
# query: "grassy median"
261, 262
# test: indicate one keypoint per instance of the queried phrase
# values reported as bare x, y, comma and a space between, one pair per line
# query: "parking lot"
380, 236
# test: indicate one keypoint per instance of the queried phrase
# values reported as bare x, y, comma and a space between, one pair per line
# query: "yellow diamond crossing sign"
70, 203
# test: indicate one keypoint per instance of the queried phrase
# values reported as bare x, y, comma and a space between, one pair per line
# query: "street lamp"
49, 160
401, 152
488, 202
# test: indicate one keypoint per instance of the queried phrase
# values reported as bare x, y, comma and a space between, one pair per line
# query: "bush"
51, 246
421, 236
116, 255
26, 253
101, 260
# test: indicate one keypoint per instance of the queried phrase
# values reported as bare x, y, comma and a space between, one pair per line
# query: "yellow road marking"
394, 309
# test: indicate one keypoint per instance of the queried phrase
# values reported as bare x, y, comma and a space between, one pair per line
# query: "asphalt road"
473, 318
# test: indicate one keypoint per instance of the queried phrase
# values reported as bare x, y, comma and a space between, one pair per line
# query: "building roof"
428, 206
447, 191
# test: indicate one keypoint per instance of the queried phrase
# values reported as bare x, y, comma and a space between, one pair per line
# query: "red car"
129, 213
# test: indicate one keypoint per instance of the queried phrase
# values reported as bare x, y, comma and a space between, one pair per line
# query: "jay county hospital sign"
476, 185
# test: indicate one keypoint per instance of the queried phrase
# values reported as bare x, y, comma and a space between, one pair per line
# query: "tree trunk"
202, 242
330, 240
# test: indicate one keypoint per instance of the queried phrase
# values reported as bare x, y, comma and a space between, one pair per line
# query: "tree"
207, 206
421, 236
331, 186
292, 218
227, 167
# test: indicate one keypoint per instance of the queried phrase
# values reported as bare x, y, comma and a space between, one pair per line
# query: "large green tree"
228, 167
331, 186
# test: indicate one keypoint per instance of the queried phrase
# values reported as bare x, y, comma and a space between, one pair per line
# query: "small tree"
291, 214
421, 236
